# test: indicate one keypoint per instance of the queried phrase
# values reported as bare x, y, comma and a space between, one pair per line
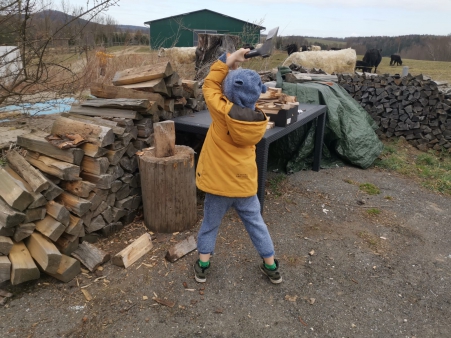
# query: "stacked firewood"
274, 101
412, 107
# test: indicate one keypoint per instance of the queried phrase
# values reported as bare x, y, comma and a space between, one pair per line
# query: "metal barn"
181, 30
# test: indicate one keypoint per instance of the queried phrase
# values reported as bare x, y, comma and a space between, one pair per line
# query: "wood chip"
164, 302
86, 294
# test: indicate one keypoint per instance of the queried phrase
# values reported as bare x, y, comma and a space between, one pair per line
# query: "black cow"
248, 46
292, 48
395, 59
303, 48
373, 57
365, 67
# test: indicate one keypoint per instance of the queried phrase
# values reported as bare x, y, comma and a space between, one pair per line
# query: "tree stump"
168, 190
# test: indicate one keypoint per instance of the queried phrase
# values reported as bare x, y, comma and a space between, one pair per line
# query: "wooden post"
169, 191
164, 137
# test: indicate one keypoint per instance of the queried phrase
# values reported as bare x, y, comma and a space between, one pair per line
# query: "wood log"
23, 268
116, 171
52, 192
7, 232
97, 166
23, 231
101, 208
96, 224
164, 137
108, 215
129, 164
127, 178
95, 120
87, 218
114, 156
44, 252
113, 92
8, 216
97, 197
78, 188
123, 192
5, 269
133, 252
116, 145
92, 150
36, 214
191, 87
101, 181
136, 203
50, 227
181, 249
90, 256
116, 185
111, 228
63, 170
173, 209
36, 142
58, 212
105, 112
139, 105
180, 103
67, 270
136, 180
5, 245
131, 150
67, 244
24, 169
111, 199
129, 218
125, 203
75, 226
143, 73
126, 139
118, 213
153, 86
98, 135
12, 193
77, 205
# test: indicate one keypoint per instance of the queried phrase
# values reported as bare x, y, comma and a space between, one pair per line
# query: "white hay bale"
334, 61
180, 55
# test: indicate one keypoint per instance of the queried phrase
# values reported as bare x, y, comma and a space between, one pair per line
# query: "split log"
12, 193
181, 249
123, 192
143, 73
63, 170
75, 226
23, 268
116, 171
133, 252
139, 105
58, 212
153, 86
98, 135
7, 232
78, 188
5, 245
23, 231
92, 150
111, 199
67, 244
107, 215
112, 228
67, 270
129, 164
90, 256
50, 227
191, 87
96, 224
164, 138
117, 130
96, 197
52, 192
36, 142
24, 169
36, 214
44, 252
173, 208
125, 203
101, 208
114, 156
8, 216
5, 269
101, 181
129, 218
77, 205
118, 213
173, 80
105, 112
93, 165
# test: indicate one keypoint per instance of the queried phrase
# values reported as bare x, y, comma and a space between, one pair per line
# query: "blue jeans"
248, 208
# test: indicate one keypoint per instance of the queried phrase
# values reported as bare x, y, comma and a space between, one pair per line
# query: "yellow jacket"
227, 164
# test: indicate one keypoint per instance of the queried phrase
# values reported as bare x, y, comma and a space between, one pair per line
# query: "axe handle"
252, 53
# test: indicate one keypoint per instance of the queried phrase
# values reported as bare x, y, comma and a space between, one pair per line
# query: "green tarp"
349, 134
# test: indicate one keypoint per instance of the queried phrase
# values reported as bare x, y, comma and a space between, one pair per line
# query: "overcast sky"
321, 18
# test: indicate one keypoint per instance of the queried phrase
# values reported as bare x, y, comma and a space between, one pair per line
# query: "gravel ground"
348, 272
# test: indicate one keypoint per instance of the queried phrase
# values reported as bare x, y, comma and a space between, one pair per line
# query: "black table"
198, 123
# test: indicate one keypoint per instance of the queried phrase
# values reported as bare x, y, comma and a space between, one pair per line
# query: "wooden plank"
92, 150
95, 121
78, 188
50, 227
8, 216
98, 135
5, 269
33, 177
105, 112
164, 137
67, 270
58, 212
44, 252
5, 245
113, 92
133, 252
77, 205
139, 105
36, 141
12, 193
101, 181
153, 86
181, 249
63, 170
90, 256
23, 268
23, 231
143, 73
93, 165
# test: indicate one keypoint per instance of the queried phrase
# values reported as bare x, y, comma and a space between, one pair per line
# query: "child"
227, 170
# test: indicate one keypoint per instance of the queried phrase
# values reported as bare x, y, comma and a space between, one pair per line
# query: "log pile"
412, 107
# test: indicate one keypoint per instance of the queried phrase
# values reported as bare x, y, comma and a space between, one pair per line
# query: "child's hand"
236, 57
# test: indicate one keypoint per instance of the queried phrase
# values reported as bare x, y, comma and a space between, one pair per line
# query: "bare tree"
33, 29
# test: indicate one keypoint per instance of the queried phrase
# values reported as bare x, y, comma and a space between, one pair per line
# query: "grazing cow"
248, 46
373, 57
365, 67
395, 59
303, 48
292, 48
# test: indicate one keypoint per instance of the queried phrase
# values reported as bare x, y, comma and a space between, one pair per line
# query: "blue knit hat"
243, 87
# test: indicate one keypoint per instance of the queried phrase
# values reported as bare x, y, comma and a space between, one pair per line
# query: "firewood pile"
60, 192
412, 107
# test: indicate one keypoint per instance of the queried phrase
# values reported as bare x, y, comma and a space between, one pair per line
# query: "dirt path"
346, 273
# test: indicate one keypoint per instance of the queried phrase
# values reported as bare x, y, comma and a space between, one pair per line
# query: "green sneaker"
200, 274
273, 275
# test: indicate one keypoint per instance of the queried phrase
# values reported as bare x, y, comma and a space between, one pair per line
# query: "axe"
266, 49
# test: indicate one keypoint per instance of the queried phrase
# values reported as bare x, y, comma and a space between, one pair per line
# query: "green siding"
177, 31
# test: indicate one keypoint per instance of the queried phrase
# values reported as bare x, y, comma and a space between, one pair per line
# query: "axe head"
266, 49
